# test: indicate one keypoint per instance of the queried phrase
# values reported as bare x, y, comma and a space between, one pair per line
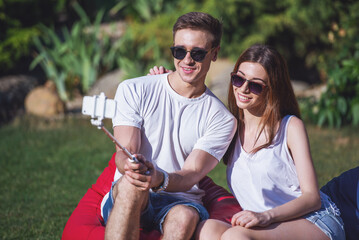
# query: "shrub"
18, 20
339, 105
148, 35
74, 59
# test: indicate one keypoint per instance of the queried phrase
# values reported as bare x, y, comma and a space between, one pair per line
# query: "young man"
179, 131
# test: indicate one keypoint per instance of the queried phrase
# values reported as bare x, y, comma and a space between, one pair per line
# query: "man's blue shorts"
158, 207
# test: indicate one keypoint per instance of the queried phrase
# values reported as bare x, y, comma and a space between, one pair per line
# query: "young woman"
270, 169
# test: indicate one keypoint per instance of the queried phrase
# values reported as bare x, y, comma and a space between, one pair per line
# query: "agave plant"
74, 58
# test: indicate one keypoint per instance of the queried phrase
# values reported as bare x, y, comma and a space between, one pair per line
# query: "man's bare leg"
180, 223
124, 220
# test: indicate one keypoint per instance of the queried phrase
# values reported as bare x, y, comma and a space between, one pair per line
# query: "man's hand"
144, 175
158, 70
139, 174
250, 219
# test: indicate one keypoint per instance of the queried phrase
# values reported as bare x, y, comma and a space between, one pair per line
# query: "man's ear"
215, 55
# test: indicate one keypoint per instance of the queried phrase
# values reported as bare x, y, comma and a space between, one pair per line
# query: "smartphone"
99, 106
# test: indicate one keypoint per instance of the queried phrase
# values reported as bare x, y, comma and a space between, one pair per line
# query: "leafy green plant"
16, 45
339, 105
144, 45
18, 27
74, 59
148, 36
142, 10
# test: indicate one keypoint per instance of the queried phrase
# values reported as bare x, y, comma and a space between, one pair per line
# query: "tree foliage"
74, 59
18, 20
339, 105
319, 39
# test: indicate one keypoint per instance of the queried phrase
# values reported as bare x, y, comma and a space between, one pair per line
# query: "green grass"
47, 166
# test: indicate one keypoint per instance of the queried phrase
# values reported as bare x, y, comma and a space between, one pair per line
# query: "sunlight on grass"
47, 166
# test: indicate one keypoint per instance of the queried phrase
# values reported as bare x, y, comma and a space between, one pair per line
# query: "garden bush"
339, 104
18, 19
74, 59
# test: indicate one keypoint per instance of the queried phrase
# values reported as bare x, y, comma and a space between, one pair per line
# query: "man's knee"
125, 192
182, 218
185, 213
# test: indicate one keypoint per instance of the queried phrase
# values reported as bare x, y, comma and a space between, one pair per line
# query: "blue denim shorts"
158, 207
328, 219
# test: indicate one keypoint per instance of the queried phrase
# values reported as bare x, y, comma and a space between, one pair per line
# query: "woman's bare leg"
300, 229
211, 229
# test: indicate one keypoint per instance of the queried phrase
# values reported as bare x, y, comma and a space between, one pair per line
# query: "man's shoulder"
216, 103
219, 111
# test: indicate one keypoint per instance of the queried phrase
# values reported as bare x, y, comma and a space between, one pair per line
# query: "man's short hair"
200, 21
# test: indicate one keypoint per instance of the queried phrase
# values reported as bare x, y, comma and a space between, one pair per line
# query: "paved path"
218, 78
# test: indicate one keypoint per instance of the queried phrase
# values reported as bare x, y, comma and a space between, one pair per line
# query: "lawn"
47, 166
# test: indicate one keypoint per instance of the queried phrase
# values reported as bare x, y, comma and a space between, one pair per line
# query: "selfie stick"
99, 108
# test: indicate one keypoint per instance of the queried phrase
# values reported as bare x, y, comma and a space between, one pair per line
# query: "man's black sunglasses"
197, 54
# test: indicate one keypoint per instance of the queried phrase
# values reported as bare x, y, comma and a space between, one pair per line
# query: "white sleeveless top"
265, 179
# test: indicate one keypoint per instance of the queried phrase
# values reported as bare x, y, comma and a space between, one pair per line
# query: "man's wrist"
163, 185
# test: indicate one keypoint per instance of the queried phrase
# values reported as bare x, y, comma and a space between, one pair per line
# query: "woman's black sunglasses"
197, 54
253, 87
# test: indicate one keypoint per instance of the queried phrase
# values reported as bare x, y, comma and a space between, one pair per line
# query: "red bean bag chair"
86, 222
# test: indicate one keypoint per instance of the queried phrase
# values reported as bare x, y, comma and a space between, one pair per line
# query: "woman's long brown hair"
280, 98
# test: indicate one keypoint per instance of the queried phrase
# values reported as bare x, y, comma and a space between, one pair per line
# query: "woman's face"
250, 95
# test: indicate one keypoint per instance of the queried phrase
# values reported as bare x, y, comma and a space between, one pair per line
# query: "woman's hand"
250, 219
158, 70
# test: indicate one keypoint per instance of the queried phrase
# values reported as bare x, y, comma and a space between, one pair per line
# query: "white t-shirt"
172, 125
266, 179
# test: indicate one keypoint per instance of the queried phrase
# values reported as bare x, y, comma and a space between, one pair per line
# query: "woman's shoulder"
290, 123
295, 122
296, 129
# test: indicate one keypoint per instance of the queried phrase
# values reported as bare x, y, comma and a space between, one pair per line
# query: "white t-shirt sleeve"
128, 97
218, 135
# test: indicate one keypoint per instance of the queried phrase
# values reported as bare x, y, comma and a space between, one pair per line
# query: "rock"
13, 90
314, 91
299, 87
107, 84
44, 101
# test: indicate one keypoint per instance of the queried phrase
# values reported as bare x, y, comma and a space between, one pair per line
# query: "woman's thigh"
211, 229
300, 229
